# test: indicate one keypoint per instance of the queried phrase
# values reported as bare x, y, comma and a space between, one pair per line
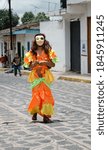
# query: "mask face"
39, 40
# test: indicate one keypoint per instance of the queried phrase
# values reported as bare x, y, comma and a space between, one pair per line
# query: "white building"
70, 36
22, 37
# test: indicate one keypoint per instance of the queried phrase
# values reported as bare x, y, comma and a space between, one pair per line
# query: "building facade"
22, 37
70, 36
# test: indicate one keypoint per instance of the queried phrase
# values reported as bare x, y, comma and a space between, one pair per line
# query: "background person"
17, 64
4, 60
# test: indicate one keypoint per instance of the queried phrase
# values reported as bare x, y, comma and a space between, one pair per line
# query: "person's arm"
33, 64
14, 61
47, 63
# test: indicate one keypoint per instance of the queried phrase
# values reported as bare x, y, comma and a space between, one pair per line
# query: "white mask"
39, 40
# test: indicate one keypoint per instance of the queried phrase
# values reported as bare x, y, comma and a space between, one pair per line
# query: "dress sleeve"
53, 56
27, 59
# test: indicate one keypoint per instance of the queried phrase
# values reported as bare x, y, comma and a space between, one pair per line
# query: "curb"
24, 72
3, 69
74, 79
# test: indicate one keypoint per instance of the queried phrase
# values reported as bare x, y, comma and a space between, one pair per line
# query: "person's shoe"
46, 119
20, 74
34, 117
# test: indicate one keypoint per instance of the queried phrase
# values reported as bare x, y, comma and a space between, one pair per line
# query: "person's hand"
34, 63
47, 63
14, 63
43, 63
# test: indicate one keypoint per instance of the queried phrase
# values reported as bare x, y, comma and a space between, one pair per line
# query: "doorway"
19, 48
75, 46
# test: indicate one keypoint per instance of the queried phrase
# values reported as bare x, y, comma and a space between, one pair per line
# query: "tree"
27, 17
4, 19
41, 17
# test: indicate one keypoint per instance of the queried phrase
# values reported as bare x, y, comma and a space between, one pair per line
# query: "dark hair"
46, 46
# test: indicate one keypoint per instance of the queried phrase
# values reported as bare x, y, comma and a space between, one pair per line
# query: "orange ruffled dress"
42, 101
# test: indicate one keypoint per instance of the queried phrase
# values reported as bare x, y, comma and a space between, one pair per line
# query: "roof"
26, 31
31, 27
77, 1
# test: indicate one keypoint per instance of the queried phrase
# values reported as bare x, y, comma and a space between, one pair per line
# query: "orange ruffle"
42, 101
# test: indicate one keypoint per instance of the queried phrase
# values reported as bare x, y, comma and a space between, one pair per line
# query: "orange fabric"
42, 101
42, 57
41, 95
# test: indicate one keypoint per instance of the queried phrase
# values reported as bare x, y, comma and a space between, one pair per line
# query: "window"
63, 4
5, 47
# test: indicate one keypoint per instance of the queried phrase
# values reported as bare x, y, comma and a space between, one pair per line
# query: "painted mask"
40, 40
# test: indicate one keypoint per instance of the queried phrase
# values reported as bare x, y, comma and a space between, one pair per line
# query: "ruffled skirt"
42, 101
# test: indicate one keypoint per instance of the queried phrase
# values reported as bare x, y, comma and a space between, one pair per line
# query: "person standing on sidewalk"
4, 60
17, 64
40, 59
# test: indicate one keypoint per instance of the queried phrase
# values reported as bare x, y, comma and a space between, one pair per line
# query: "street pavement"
71, 127
68, 75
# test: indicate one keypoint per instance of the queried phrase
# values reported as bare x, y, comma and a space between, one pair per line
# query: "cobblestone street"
71, 127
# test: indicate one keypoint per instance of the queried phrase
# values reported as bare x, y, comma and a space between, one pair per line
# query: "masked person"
40, 59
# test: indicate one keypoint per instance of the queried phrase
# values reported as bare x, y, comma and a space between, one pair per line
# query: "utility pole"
10, 18
49, 6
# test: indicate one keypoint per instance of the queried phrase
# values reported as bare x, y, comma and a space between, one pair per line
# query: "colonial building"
22, 37
70, 35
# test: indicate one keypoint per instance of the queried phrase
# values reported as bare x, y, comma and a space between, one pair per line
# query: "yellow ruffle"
32, 76
49, 78
47, 109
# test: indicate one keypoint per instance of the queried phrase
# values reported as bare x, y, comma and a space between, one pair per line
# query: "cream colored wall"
84, 54
55, 34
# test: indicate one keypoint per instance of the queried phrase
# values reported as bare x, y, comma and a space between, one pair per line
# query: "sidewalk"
69, 76
72, 76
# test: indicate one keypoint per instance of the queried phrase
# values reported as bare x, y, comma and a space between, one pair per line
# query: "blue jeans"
17, 68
